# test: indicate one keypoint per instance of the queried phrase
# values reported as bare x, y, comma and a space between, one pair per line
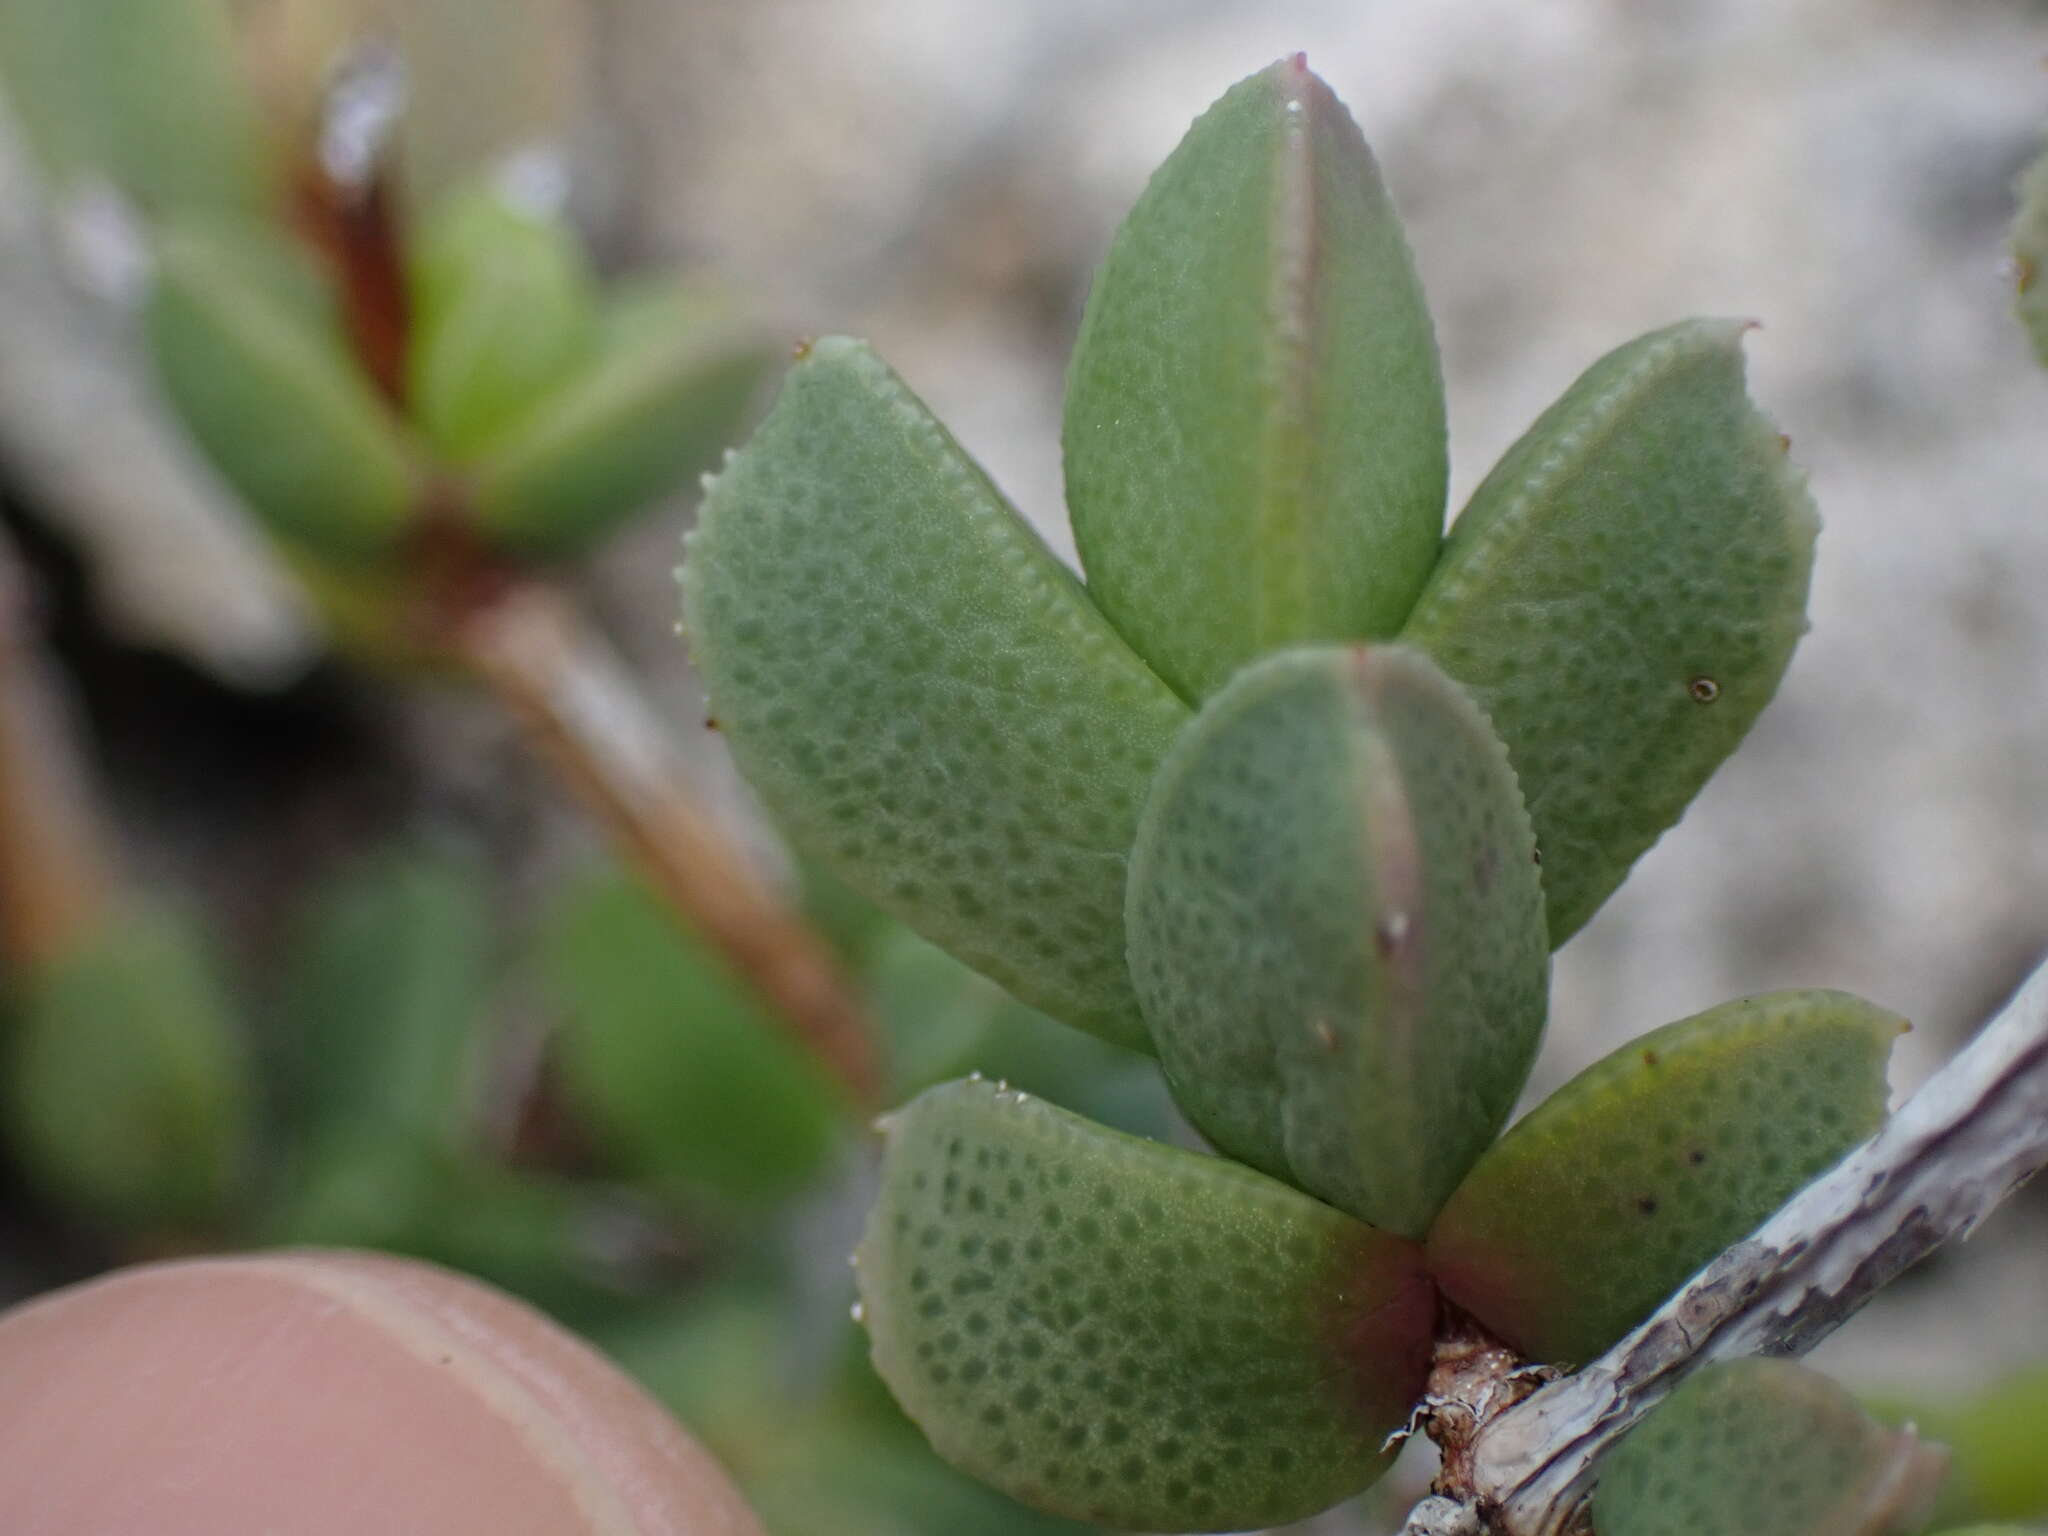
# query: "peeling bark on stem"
583, 711
1972, 1135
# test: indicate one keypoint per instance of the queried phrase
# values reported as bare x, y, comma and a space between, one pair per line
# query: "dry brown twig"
585, 710
1971, 1136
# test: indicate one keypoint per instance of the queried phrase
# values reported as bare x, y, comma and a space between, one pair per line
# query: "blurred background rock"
941, 176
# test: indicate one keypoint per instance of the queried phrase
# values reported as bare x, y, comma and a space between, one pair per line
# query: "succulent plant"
1300, 796
534, 412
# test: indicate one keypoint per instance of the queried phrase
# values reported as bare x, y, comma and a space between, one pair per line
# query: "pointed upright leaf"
1622, 596
1618, 1187
2030, 254
686, 1078
1336, 928
263, 380
503, 309
1255, 419
1764, 1448
1124, 1332
651, 406
386, 999
921, 693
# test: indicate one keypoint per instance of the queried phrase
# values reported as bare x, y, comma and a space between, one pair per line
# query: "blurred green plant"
2030, 253
1300, 795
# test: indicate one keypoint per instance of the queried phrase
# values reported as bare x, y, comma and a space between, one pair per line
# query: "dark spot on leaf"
1704, 689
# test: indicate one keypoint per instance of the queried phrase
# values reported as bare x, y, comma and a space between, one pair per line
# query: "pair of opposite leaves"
558, 413
1174, 808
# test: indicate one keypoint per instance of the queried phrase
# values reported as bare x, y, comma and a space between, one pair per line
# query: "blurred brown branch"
584, 709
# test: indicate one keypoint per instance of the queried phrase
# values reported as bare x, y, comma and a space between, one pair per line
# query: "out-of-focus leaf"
386, 999
1996, 1470
127, 1085
147, 93
653, 404
2030, 253
1763, 1448
273, 396
680, 1068
503, 310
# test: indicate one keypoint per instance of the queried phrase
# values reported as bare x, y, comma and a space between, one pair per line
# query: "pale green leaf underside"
1126, 1332
922, 695
1763, 1448
1254, 430
1619, 1186
271, 393
1337, 932
2030, 253
632, 423
1622, 596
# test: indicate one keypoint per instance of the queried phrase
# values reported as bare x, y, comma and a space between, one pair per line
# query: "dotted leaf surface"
1336, 928
1621, 1185
922, 693
1254, 425
2030, 253
263, 380
1622, 596
1129, 1333
1763, 1448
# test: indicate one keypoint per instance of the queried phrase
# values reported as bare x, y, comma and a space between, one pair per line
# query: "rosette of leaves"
1296, 793
534, 413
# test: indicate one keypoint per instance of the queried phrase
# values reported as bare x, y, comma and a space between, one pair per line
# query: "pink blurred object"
330, 1394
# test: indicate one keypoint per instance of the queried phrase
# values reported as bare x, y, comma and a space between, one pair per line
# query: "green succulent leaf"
921, 693
2030, 253
1994, 1439
503, 309
1120, 1331
1618, 1187
386, 999
1763, 1448
127, 1088
653, 404
1254, 432
1336, 928
1622, 596
149, 94
265, 383
679, 1066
